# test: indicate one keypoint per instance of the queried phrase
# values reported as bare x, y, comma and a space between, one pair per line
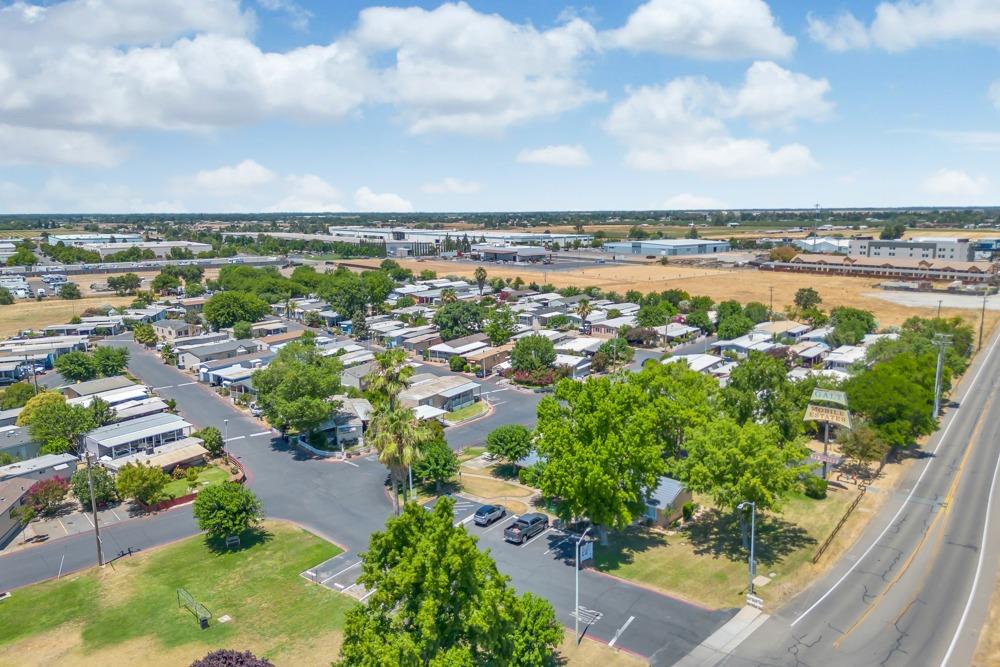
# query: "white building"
941, 248
823, 244
160, 248
79, 240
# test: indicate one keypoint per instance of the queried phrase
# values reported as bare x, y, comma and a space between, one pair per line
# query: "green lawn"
470, 411
259, 586
707, 564
181, 487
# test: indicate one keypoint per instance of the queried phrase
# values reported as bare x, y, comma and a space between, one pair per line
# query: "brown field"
742, 285
592, 652
37, 314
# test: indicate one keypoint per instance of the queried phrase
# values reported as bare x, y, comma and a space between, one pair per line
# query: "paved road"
915, 589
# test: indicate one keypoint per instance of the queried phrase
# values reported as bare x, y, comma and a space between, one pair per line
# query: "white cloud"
955, 183
27, 145
229, 179
712, 29
902, 25
298, 16
689, 202
561, 155
980, 141
452, 185
385, 202
308, 193
59, 195
681, 126
994, 93
458, 70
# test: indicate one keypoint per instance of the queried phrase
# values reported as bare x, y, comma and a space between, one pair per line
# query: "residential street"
916, 587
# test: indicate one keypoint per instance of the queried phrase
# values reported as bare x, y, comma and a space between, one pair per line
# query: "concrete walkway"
722, 642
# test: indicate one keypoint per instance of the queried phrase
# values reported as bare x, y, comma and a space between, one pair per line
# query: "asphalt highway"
916, 587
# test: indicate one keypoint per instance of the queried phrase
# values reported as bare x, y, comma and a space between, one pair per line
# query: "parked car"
487, 514
525, 528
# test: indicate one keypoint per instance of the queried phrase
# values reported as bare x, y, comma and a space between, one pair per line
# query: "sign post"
828, 415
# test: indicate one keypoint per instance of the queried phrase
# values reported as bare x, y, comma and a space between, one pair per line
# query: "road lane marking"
979, 564
167, 386
257, 435
892, 522
351, 463
349, 567
238, 437
186, 384
621, 630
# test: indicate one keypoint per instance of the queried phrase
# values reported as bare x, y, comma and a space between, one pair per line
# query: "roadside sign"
818, 413
825, 458
755, 602
829, 396
586, 551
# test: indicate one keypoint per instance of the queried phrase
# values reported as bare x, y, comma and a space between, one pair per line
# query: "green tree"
759, 390
735, 326
168, 355
397, 437
756, 312
294, 389
616, 351
893, 231
603, 456
896, 397
500, 326
211, 437
862, 443
313, 319
733, 463
144, 334
125, 284
532, 353
70, 291
584, 309
22, 257
728, 309
438, 600
509, 443
104, 486
37, 402
655, 314
699, 319
164, 282
807, 298
458, 319
227, 308
359, 327
111, 360
101, 413
77, 366
390, 376
227, 509
16, 395
480, 275
437, 463
850, 325
57, 424
242, 330
141, 482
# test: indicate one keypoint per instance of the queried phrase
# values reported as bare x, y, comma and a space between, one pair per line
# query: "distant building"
511, 253
667, 247
931, 248
160, 248
78, 240
823, 244
170, 330
893, 268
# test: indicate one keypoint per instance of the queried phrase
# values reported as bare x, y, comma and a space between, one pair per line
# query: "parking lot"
67, 522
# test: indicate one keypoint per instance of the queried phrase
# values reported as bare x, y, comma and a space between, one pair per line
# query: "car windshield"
485, 509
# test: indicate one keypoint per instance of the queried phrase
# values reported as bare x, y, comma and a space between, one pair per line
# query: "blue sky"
170, 105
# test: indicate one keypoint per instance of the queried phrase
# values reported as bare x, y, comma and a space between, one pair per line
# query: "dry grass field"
38, 314
742, 285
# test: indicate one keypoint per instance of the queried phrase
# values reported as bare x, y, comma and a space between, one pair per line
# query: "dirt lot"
741, 284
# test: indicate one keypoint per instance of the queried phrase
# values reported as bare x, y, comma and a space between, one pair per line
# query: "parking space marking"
621, 630
334, 576
535, 538
499, 522
89, 520
62, 525
557, 545
257, 435
115, 514
368, 595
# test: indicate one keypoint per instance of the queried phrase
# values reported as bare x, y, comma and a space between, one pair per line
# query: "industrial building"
160, 248
667, 247
823, 244
437, 236
511, 253
930, 248
79, 240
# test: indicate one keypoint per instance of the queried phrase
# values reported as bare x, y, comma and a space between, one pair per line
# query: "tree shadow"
624, 545
719, 534
248, 540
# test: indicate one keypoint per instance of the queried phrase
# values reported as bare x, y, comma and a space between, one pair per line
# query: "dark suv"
487, 514
525, 528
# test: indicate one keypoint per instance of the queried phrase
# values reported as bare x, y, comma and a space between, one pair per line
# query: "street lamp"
751, 564
225, 438
576, 612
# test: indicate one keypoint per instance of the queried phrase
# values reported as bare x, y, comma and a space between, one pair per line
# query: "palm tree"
480, 274
390, 376
397, 437
448, 295
584, 310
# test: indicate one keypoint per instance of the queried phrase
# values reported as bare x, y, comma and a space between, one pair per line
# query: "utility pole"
770, 308
941, 341
982, 320
93, 508
939, 309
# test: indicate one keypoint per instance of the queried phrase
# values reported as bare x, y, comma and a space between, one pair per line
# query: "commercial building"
79, 240
511, 253
667, 247
438, 236
823, 244
893, 268
161, 249
930, 248
136, 435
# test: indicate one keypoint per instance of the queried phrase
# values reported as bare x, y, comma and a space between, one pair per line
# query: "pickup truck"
526, 527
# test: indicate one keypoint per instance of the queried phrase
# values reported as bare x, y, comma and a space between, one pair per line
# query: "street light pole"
752, 563
941, 341
576, 609
982, 319
93, 508
225, 438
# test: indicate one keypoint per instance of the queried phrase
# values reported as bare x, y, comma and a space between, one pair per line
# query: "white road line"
87, 517
168, 386
536, 537
257, 435
556, 545
500, 522
339, 587
186, 384
464, 521
621, 630
367, 595
979, 565
333, 576
944, 435
111, 509
350, 463
237, 437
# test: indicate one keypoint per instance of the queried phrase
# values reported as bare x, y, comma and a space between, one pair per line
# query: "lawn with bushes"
205, 476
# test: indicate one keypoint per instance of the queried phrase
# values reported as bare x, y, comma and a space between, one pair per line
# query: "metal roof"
134, 429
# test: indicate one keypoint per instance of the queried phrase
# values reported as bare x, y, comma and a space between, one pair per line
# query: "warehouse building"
160, 248
509, 253
79, 240
667, 247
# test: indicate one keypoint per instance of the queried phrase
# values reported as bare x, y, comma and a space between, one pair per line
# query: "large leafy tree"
602, 451
756, 312
807, 298
141, 482
227, 308
77, 366
732, 463
850, 325
699, 319
438, 600
759, 390
500, 325
917, 336
896, 397
55, 423
680, 399
437, 462
377, 285
227, 509
734, 326
656, 314
110, 360
458, 319
293, 390
16, 395
532, 353
345, 291
104, 486
862, 443
125, 284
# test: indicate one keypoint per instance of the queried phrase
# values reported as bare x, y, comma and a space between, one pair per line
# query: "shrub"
45, 496
104, 486
688, 510
456, 363
191, 475
178, 473
141, 482
227, 509
815, 487
228, 658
